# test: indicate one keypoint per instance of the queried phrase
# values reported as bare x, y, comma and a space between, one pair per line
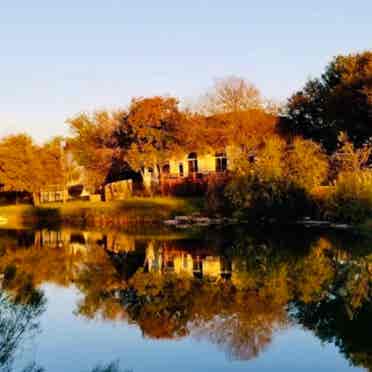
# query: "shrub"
277, 199
351, 200
306, 164
216, 198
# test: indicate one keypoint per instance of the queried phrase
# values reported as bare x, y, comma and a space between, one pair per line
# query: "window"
180, 168
221, 162
193, 163
166, 169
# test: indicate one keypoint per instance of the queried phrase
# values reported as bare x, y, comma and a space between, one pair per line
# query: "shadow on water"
235, 288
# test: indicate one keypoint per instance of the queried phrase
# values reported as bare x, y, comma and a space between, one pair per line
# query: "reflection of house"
74, 242
116, 242
165, 259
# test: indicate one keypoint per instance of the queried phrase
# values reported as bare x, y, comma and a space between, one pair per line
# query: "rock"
171, 222
341, 226
183, 218
205, 220
313, 223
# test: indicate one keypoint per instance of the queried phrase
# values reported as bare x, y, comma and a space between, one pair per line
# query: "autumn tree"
52, 158
154, 124
236, 114
338, 101
28, 167
348, 158
95, 144
19, 164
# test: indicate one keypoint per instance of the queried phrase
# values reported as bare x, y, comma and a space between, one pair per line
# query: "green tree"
340, 100
306, 164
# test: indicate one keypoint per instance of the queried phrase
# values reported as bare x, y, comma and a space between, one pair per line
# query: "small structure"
53, 194
119, 190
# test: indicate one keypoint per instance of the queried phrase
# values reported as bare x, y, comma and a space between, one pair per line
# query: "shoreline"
158, 212
134, 211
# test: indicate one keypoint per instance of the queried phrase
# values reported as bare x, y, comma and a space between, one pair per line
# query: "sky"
59, 58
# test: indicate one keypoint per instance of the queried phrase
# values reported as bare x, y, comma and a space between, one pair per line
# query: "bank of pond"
162, 213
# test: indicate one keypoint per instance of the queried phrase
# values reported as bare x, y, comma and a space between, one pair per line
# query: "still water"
238, 300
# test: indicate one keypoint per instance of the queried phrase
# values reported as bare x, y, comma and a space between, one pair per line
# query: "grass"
135, 210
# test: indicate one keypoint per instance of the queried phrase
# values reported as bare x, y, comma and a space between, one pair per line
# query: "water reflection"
20, 308
236, 290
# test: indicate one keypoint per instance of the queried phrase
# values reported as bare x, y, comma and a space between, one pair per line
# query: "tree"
20, 167
236, 115
231, 94
27, 167
347, 158
154, 124
340, 100
95, 144
306, 164
51, 157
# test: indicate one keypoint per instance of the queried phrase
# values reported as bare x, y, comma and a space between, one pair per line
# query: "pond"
220, 300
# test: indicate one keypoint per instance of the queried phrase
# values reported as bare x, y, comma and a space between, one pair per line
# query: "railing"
194, 183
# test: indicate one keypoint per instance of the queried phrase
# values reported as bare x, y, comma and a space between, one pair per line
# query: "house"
190, 172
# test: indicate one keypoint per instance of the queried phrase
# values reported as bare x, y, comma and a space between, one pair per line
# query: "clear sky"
58, 58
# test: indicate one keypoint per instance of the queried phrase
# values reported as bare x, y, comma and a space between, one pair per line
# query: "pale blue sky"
62, 57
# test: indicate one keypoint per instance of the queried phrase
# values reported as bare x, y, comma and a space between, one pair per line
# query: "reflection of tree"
111, 367
43, 264
19, 312
240, 314
169, 306
331, 322
344, 313
99, 280
153, 284
244, 329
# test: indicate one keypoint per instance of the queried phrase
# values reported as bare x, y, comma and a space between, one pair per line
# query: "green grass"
133, 210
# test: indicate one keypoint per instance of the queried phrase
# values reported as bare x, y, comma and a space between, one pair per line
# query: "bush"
351, 200
278, 199
306, 164
216, 198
